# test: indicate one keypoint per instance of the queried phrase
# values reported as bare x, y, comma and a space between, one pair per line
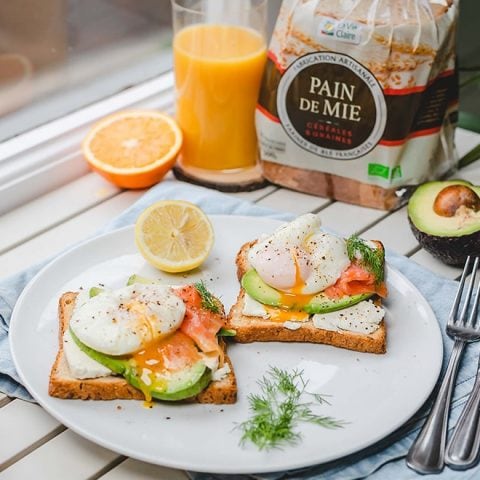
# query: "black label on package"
331, 105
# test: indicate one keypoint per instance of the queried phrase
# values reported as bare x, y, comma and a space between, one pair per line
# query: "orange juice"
218, 69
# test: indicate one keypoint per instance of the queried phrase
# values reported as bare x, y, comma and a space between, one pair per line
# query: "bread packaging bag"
359, 98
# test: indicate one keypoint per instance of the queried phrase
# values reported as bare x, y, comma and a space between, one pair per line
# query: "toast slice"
63, 385
258, 329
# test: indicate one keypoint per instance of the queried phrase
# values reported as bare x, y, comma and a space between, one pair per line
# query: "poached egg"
298, 258
123, 321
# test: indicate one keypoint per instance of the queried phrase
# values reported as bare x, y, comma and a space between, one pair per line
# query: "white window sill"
49, 156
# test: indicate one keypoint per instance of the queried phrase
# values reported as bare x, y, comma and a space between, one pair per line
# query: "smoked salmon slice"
199, 324
356, 280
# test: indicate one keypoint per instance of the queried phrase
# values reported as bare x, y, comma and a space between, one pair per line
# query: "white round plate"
375, 394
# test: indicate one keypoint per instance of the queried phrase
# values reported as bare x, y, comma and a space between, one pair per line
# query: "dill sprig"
371, 258
209, 302
278, 409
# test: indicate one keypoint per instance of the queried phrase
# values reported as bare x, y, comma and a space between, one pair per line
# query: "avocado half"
450, 239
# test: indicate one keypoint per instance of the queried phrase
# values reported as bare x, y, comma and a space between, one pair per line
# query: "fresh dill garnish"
209, 302
371, 258
277, 410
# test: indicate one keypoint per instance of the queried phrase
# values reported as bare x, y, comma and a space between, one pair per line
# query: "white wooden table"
32, 443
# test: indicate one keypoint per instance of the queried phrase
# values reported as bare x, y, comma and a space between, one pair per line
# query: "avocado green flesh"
424, 218
320, 303
116, 365
139, 279
323, 304
226, 332
178, 386
194, 387
94, 291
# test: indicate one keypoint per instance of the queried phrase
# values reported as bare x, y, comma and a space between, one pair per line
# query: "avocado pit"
451, 198
445, 219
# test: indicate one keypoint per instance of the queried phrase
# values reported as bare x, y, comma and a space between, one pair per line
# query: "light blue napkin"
384, 460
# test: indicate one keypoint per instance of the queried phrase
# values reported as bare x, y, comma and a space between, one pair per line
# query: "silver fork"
464, 447
427, 454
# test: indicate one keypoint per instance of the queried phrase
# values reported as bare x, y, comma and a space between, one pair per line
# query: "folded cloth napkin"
385, 460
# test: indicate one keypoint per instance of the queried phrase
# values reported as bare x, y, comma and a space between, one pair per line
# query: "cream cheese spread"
364, 317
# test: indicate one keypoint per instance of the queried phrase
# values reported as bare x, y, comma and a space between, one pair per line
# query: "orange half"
133, 149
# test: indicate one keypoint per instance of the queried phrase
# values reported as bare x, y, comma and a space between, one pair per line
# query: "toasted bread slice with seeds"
64, 385
259, 329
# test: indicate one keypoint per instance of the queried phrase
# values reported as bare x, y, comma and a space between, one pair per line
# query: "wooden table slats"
23, 425
65, 234
346, 219
394, 232
66, 456
56, 207
131, 469
297, 203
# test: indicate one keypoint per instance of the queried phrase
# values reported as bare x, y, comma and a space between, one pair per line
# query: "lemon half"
174, 235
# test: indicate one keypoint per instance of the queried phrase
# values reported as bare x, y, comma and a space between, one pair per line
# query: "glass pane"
59, 55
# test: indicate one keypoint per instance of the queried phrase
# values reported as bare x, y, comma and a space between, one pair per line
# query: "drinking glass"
219, 52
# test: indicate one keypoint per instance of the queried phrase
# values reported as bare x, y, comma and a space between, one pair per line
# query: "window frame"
49, 156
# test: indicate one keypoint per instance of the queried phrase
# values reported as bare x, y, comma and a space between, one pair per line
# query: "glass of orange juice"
219, 52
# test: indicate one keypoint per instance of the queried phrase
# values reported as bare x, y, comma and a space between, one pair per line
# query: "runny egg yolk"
279, 315
158, 358
292, 302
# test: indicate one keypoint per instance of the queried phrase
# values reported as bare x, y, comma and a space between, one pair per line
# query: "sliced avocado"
449, 236
226, 332
139, 279
94, 291
259, 290
320, 303
117, 365
178, 386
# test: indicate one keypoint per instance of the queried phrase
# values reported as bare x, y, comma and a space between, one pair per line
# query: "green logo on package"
396, 172
378, 170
